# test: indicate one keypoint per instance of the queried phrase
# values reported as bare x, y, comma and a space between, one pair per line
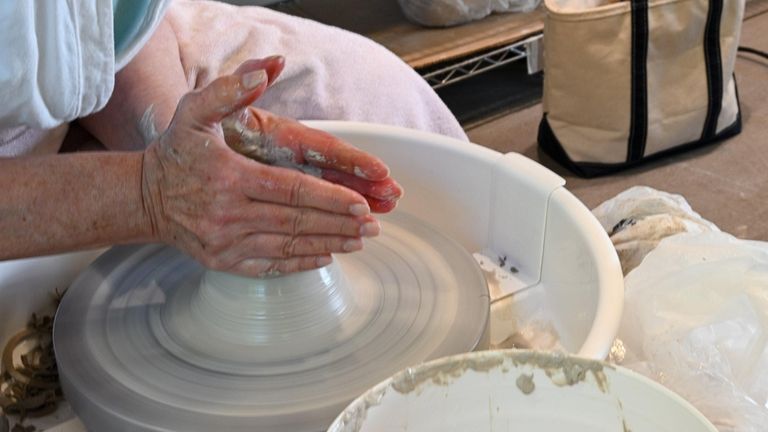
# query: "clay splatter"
314, 156
525, 383
260, 147
412, 378
352, 421
561, 370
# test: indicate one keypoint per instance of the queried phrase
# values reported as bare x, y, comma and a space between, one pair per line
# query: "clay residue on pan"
352, 420
525, 383
561, 369
443, 373
572, 370
565, 371
601, 380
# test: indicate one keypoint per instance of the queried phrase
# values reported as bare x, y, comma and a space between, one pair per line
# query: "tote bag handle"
638, 124
638, 127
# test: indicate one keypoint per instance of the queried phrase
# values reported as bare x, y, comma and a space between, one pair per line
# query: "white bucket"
508, 391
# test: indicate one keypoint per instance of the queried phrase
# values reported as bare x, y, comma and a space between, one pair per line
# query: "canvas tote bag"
634, 80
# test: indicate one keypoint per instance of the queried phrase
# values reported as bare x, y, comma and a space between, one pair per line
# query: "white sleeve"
57, 61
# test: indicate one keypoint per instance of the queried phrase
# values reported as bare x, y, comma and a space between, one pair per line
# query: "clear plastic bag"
640, 217
696, 320
444, 13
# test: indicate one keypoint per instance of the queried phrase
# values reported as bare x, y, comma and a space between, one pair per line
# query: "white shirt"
57, 63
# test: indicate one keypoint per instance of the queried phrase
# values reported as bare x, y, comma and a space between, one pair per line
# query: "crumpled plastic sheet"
696, 309
445, 13
640, 217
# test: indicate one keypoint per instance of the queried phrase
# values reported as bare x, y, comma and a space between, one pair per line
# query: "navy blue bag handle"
638, 128
638, 124
714, 64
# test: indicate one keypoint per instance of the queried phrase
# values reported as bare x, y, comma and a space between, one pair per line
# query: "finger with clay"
283, 142
246, 216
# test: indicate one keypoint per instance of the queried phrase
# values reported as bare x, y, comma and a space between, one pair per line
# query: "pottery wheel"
148, 340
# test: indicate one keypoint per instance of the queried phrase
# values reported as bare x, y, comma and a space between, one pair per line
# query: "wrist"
150, 209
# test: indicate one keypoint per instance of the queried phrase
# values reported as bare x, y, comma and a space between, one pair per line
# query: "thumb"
274, 65
223, 96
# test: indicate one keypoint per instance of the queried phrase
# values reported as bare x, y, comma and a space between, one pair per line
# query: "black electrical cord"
754, 51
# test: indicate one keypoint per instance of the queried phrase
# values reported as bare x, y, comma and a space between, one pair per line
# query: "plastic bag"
638, 218
444, 13
696, 320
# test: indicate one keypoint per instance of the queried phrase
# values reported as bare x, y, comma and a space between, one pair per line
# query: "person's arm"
60, 203
190, 190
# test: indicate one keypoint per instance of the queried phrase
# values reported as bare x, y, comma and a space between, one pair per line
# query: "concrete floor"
725, 183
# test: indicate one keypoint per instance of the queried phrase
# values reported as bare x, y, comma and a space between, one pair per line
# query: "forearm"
67, 202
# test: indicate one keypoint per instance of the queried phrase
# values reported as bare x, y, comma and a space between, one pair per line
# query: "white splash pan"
508, 391
500, 205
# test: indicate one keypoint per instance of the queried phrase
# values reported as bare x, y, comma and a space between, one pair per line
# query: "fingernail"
359, 209
370, 229
323, 261
251, 80
352, 245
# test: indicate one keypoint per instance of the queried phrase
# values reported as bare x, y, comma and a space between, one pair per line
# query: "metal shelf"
529, 49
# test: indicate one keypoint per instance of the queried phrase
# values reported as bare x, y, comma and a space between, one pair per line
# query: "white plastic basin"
507, 391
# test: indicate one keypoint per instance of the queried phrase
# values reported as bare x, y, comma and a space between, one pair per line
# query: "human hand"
284, 142
235, 214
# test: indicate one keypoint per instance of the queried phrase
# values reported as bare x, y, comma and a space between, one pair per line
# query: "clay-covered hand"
236, 214
280, 141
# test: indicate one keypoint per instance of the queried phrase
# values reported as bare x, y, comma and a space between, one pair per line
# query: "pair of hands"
263, 216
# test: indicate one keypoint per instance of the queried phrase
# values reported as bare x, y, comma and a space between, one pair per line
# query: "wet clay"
561, 369
260, 147
525, 383
353, 420
442, 373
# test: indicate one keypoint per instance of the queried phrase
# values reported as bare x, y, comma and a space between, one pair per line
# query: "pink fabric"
24, 141
330, 74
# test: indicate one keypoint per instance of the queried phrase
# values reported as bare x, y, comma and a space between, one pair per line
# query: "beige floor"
726, 183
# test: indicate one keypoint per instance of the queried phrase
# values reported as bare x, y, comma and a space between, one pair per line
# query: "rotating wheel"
148, 340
